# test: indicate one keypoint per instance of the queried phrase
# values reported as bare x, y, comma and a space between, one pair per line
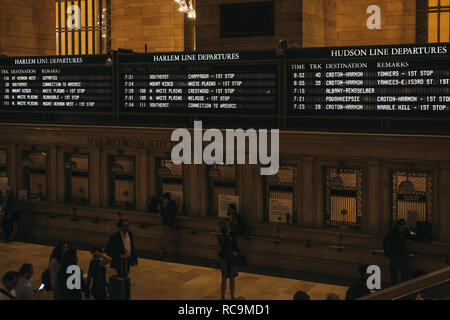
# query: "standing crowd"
119, 253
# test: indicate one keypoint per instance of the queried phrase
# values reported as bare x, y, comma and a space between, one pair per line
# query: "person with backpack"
97, 274
229, 259
10, 280
168, 213
395, 248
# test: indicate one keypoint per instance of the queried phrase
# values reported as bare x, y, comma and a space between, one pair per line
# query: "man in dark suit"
120, 248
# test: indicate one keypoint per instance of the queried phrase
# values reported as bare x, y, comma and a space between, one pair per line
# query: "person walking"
229, 259
168, 213
395, 249
97, 274
54, 263
120, 248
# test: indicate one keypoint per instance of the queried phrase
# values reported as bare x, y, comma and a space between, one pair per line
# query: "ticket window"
35, 166
412, 200
280, 195
343, 197
171, 182
77, 177
123, 178
224, 188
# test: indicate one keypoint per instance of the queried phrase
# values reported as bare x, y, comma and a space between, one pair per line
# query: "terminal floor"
160, 280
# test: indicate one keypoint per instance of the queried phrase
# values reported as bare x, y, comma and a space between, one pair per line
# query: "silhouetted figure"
97, 274
10, 218
395, 248
70, 258
120, 248
235, 222
359, 289
54, 263
168, 213
300, 295
229, 259
154, 205
9, 280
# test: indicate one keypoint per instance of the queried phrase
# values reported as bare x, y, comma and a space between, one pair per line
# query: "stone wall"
157, 23
287, 26
27, 27
398, 22
319, 23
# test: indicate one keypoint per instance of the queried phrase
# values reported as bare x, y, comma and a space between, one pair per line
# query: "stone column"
141, 182
52, 174
444, 203
94, 175
372, 196
13, 166
308, 201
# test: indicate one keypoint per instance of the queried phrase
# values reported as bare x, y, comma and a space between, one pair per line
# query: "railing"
435, 285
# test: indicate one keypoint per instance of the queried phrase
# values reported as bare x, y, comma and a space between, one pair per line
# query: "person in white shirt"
120, 248
9, 283
24, 289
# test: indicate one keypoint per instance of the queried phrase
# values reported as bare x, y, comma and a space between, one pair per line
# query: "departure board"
400, 79
65, 83
198, 82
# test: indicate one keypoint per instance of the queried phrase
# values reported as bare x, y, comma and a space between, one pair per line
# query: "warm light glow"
186, 6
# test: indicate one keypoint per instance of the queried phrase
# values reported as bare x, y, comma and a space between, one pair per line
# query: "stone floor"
159, 280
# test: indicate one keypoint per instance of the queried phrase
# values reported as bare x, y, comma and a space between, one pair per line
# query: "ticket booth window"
343, 197
171, 181
123, 177
83, 27
76, 167
412, 197
281, 195
35, 166
224, 189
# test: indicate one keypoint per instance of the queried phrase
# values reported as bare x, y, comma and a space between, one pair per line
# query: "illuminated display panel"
199, 83
388, 79
72, 83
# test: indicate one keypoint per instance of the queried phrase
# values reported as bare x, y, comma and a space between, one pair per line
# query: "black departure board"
386, 79
64, 83
199, 83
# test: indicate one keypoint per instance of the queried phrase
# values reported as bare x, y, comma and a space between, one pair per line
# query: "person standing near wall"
168, 213
229, 259
395, 248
